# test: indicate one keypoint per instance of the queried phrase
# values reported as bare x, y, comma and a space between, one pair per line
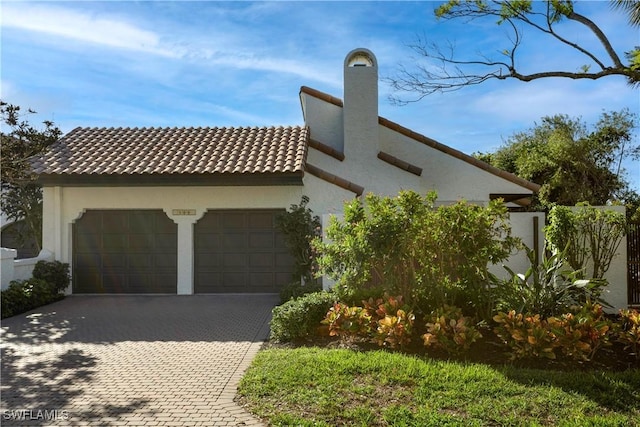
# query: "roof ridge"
143, 128
432, 143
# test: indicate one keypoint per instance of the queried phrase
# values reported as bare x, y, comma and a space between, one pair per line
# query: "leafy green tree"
21, 197
444, 72
588, 236
572, 162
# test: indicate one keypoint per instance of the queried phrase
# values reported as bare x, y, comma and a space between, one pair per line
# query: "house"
191, 210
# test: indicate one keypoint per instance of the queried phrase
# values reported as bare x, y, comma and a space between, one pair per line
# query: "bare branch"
444, 73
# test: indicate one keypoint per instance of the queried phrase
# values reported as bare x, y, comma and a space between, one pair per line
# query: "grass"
341, 387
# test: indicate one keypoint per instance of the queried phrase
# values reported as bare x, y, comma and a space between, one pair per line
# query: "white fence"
19, 269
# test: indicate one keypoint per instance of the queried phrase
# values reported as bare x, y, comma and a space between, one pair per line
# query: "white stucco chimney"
360, 104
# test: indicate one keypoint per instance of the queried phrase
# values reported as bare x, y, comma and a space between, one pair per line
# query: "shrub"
450, 331
299, 227
629, 331
55, 273
526, 336
402, 246
25, 295
300, 317
394, 330
296, 289
386, 321
581, 334
392, 321
547, 288
348, 322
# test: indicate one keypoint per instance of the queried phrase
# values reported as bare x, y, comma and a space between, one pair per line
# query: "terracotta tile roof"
432, 143
160, 151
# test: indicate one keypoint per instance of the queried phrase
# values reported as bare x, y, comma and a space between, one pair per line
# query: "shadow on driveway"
111, 360
109, 319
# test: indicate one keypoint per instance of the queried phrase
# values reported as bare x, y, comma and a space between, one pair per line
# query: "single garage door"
240, 251
125, 251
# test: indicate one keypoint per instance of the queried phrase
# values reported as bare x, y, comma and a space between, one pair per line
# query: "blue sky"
205, 63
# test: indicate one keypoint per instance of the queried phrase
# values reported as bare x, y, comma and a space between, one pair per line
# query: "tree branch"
444, 73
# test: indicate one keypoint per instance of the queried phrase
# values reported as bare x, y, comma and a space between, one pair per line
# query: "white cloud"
82, 27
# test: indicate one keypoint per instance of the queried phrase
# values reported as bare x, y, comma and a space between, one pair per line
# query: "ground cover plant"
311, 386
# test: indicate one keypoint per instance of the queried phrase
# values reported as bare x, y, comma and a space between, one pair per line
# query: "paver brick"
133, 360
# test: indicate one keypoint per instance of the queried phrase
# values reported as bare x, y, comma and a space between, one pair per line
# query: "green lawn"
336, 387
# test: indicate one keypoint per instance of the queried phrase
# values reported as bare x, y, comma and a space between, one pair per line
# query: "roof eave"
165, 180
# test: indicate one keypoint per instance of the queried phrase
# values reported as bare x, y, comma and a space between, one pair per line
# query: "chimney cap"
360, 57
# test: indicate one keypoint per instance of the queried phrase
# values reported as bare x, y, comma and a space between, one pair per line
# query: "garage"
240, 251
124, 252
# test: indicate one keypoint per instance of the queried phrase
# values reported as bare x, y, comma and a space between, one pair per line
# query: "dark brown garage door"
125, 251
240, 251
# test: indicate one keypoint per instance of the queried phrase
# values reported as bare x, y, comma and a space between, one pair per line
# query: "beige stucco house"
191, 210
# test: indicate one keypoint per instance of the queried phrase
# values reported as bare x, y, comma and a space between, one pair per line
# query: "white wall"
7, 257
523, 226
21, 269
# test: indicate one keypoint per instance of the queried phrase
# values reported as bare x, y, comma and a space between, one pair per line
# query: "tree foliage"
21, 196
407, 246
588, 236
443, 72
572, 162
300, 226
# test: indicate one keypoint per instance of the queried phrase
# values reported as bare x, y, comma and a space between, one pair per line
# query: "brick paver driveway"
131, 360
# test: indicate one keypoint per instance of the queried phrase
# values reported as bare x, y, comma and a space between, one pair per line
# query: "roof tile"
122, 151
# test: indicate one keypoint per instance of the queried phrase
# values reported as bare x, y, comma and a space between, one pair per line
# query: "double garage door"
135, 251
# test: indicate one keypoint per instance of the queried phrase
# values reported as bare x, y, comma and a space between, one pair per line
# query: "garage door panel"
167, 261
91, 224
261, 220
113, 283
209, 223
207, 262
233, 241
261, 260
137, 261
261, 240
208, 242
234, 260
87, 242
234, 280
284, 262
142, 243
132, 252
89, 260
114, 261
115, 221
114, 242
232, 220
253, 256
163, 242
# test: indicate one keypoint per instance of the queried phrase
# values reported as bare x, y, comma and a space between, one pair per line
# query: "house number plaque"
183, 211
